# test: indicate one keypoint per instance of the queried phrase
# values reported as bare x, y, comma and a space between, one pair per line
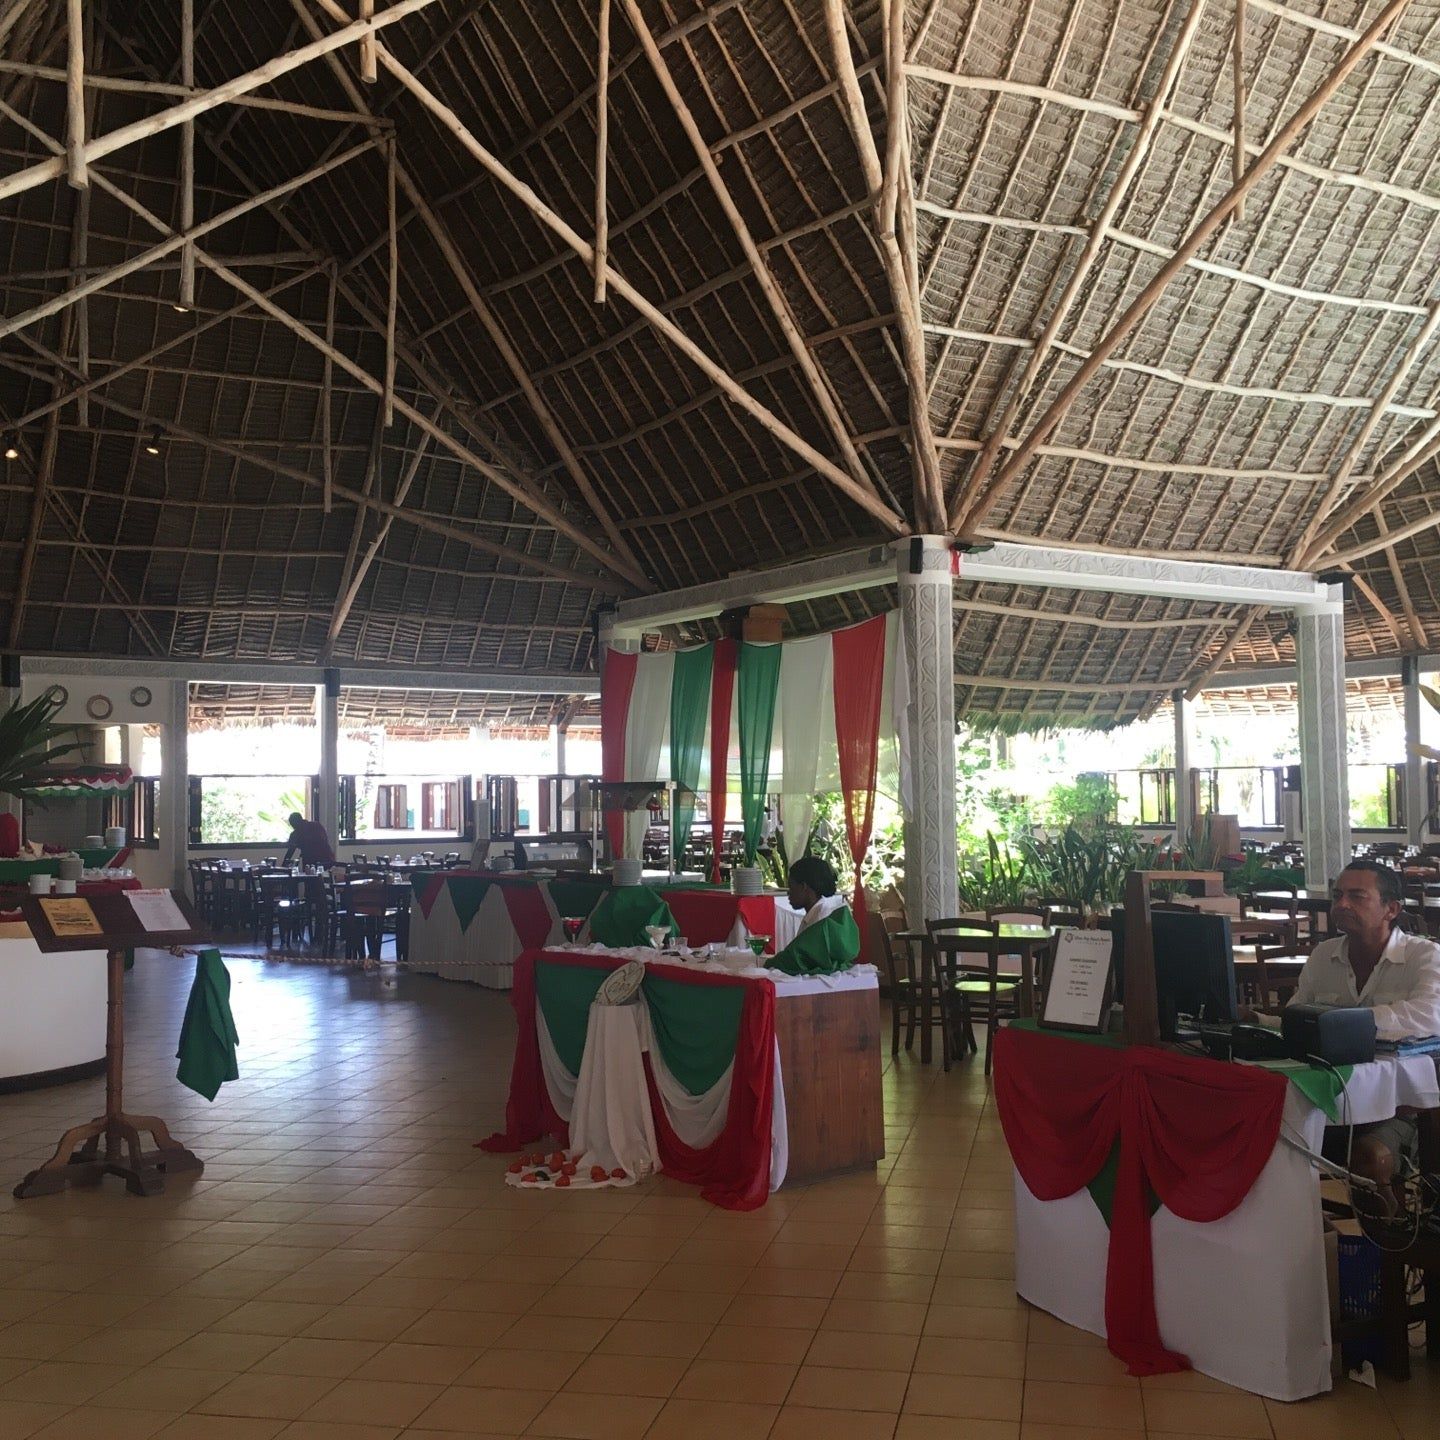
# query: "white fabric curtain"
647, 728
807, 672
611, 1124
558, 1080
696, 1119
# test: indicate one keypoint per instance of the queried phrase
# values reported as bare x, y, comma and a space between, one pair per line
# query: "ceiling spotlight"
152, 445
12, 451
180, 309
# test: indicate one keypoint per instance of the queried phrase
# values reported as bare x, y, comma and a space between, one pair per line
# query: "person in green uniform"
829, 939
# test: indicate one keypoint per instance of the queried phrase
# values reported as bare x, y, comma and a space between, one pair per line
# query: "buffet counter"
474, 924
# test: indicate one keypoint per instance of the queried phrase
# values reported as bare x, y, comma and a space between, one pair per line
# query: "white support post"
174, 804
1415, 806
922, 565
327, 700
1184, 760
1324, 785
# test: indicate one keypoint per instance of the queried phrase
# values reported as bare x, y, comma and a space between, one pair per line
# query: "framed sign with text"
1081, 985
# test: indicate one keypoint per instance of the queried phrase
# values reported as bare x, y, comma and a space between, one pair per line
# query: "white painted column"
1184, 760
1324, 784
327, 700
174, 798
927, 615
1414, 762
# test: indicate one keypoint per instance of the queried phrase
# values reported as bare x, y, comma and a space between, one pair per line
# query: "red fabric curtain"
859, 682
733, 1171
1196, 1132
722, 693
617, 682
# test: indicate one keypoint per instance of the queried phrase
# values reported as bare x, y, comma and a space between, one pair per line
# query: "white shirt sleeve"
1417, 1014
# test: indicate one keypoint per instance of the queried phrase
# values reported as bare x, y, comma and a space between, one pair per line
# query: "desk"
1019, 940
826, 1111
1244, 1297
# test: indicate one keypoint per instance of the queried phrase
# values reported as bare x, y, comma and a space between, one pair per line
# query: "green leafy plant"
1088, 804
30, 740
1007, 875
1088, 866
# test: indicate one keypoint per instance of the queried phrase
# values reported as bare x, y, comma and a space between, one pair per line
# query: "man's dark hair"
811, 870
295, 817
1387, 881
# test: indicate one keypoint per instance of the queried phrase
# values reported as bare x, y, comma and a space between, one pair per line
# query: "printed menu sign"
71, 917
1078, 997
156, 910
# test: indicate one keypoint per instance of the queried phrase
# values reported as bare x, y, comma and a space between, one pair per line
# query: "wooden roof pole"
13, 13
1404, 532
904, 287
626, 562
1140, 307
1237, 85
187, 154
99, 146
774, 298
602, 151
358, 569
1412, 616
1372, 421
327, 391
75, 157
104, 278
667, 327
974, 484
392, 295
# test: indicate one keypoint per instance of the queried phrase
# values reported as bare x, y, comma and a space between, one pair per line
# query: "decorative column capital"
925, 560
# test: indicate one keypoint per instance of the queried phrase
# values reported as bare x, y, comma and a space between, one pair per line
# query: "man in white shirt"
1376, 964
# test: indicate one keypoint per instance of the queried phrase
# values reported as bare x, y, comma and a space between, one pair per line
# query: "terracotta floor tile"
330, 1430
280, 1397
62, 1382
363, 1322
748, 1382
677, 1339
213, 1350
19, 1419
783, 1312
541, 1370
596, 1417
711, 1420
156, 1388
646, 1375
1114, 1407
555, 1332
849, 1388
845, 1348
1075, 1364
798, 1422
92, 1422
221, 1427
771, 1344
466, 1409
968, 1396
372, 1402
316, 1358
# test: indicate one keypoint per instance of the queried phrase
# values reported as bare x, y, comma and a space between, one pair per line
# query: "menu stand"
79, 1158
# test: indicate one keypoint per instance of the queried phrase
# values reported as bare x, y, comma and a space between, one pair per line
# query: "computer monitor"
1194, 967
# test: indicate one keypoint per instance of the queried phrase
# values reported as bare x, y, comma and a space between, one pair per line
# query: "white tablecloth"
1243, 1297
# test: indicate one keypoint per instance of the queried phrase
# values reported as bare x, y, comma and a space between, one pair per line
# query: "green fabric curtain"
574, 899
207, 1034
759, 682
467, 894
696, 1028
689, 709
621, 917
564, 994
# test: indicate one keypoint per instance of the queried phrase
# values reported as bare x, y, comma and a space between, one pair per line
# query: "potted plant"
29, 739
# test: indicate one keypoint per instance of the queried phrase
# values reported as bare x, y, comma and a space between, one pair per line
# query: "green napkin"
620, 918
207, 1035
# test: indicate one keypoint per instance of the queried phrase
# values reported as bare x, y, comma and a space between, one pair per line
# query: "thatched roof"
548, 453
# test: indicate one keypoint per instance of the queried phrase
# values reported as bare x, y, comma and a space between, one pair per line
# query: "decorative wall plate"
98, 707
622, 985
140, 696
58, 693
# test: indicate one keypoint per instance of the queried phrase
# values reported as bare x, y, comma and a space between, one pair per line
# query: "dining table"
1021, 941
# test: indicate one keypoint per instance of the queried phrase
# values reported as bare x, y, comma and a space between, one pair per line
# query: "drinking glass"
757, 944
572, 927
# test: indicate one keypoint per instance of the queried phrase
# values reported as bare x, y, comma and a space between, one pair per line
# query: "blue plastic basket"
1359, 1297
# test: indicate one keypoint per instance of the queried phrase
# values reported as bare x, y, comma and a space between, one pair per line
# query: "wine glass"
657, 934
757, 944
572, 925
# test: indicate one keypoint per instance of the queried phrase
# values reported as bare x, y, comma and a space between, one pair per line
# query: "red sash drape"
617, 684
859, 654
733, 1171
1196, 1132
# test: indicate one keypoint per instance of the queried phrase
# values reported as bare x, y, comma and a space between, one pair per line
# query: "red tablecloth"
706, 917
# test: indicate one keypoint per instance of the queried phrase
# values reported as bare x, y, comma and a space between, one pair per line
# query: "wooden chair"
965, 987
1269, 990
902, 977
1016, 914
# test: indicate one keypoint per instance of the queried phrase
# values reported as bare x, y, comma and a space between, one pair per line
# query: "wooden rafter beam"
775, 300
899, 271
1141, 305
99, 146
451, 122
625, 558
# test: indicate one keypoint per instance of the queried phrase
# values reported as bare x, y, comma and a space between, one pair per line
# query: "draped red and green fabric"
1194, 1133
706, 718
702, 1026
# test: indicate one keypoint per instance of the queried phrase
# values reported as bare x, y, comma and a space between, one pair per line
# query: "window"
135, 810
390, 809
439, 805
246, 809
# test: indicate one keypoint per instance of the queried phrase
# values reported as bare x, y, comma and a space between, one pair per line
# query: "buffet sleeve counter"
52, 1022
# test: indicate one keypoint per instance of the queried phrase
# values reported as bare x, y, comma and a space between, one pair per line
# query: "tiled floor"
349, 1267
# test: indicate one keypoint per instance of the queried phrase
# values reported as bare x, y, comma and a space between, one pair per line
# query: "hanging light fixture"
152, 445
12, 450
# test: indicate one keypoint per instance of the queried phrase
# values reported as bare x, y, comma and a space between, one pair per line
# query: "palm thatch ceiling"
818, 327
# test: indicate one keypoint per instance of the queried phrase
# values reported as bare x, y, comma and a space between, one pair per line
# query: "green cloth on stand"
207, 1035
695, 1026
575, 899
620, 918
828, 945
689, 710
565, 994
759, 683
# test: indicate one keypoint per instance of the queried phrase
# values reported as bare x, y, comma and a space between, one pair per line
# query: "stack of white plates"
746, 880
627, 872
